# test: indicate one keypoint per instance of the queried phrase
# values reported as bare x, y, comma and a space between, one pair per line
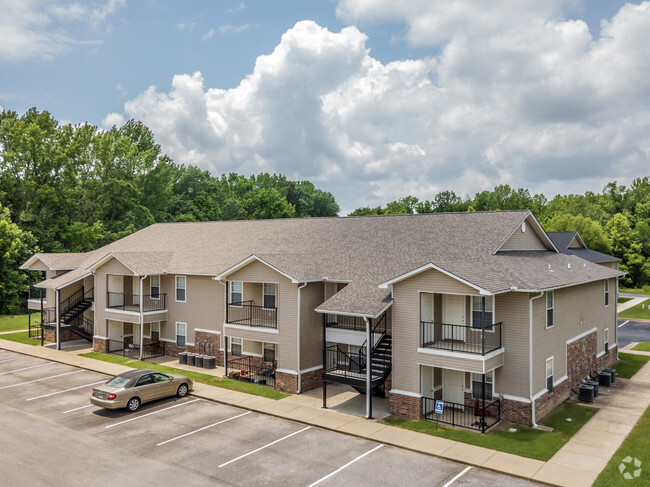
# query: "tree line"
74, 188
615, 221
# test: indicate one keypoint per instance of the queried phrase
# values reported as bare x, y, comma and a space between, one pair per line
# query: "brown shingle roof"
364, 250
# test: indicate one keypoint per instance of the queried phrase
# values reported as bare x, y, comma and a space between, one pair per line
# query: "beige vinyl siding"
287, 297
528, 240
203, 307
512, 310
406, 325
252, 348
577, 309
114, 266
311, 325
575, 244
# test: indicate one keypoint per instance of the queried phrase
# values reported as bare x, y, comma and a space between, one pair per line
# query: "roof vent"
569, 265
549, 268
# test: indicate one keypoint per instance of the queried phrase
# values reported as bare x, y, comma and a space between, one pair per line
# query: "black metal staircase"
72, 314
381, 365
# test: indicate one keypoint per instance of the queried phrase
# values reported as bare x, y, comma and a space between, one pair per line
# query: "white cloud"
186, 26
533, 101
113, 119
36, 28
234, 29
207, 35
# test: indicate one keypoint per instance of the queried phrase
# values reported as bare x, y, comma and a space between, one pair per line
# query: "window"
181, 332
269, 295
269, 352
549, 375
155, 331
160, 378
144, 380
481, 312
180, 289
549, 309
236, 345
606, 293
477, 386
154, 287
236, 292
606, 340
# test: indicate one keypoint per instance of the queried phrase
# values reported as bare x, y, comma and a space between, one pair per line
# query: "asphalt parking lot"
630, 331
52, 436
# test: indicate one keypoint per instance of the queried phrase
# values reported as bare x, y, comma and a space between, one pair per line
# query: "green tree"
16, 246
591, 232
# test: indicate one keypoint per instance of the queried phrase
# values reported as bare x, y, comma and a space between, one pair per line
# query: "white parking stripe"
467, 469
27, 368
262, 447
67, 390
345, 466
38, 380
149, 414
204, 428
623, 324
77, 409
10, 359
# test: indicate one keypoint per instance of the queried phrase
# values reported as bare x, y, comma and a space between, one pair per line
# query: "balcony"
344, 322
131, 302
460, 338
248, 314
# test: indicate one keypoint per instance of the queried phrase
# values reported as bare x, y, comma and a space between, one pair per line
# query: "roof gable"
527, 235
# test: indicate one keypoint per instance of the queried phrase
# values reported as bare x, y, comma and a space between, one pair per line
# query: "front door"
115, 335
453, 386
426, 387
453, 308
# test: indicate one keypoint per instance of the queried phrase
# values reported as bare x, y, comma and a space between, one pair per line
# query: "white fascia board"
463, 355
343, 313
384, 285
105, 259
260, 329
204, 330
30, 261
405, 393
250, 259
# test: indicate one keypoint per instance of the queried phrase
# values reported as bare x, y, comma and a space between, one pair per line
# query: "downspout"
368, 369
616, 318
57, 299
298, 340
222, 337
142, 278
530, 356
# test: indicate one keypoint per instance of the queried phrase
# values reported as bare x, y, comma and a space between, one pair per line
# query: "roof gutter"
358, 315
530, 356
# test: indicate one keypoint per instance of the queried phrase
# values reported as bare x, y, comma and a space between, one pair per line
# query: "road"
630, 331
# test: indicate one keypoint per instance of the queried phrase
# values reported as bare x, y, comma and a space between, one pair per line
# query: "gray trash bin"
198, 361
182, 358
209, 362
191, 357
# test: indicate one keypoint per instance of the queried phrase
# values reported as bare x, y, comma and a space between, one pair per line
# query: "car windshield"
118, 381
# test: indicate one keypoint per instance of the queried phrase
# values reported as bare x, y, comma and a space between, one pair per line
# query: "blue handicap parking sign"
439, 405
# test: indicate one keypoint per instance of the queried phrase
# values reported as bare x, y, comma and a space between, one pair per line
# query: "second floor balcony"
479, 340
131, 302
247, 313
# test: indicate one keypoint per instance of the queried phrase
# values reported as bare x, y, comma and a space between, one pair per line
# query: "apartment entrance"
453, 387
453, 308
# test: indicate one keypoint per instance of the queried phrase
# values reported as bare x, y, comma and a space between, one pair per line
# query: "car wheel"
182, 390
133, 404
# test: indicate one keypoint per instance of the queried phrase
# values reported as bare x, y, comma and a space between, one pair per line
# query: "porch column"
324, 360
483, 402
29, 310
142, 321
57, 301
368, 370
225, 355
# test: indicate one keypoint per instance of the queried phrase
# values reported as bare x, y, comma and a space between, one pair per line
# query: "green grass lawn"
642, 347
13, 322
624, 300
233, 385
21, 337
643, 290
629, 364
635, 446
641, 311
526, 442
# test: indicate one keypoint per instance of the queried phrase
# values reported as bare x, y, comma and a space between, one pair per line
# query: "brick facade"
100, 345
311, 380
67, 335
208, 344
286, 382
516, 412
409, 407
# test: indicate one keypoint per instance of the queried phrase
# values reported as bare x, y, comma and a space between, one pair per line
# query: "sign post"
440, 405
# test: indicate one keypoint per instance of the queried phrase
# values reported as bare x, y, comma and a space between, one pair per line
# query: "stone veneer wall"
286, 382
311, 380
409, 407
67, 335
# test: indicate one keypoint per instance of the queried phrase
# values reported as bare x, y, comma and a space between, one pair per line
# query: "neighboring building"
478, 309
571, 243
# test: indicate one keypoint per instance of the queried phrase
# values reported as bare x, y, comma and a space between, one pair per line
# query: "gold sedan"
135, 387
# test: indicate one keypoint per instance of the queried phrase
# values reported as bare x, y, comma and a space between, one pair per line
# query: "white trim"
176, 288
546, 376
582, 335
540, 393
286, 371
360, 315
230, 294
540, 230
250, 259
598, 355
311, 369
66, 284
560, 380
101, 337
405, 393
134, 313
176, 334
251, 328
275, 294
204, 330
384, 285
462, 355
515, 398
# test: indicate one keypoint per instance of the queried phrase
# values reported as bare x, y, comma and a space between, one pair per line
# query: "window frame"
152, 331
551, 309
184, 288
151, 288
240, 342
606, 289
267, 345
489, 396
606, 340
230, 292
550, 388
490, 329
265, 294
184, 334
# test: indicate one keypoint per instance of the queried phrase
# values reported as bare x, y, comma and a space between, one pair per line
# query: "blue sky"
370, 100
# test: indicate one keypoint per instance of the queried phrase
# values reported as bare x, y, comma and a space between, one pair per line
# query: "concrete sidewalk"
575, 465
629, 304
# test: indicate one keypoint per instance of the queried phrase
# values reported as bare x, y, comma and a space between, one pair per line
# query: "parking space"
203, 441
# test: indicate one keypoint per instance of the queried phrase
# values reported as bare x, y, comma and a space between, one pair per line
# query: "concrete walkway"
577, 464
628, 304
